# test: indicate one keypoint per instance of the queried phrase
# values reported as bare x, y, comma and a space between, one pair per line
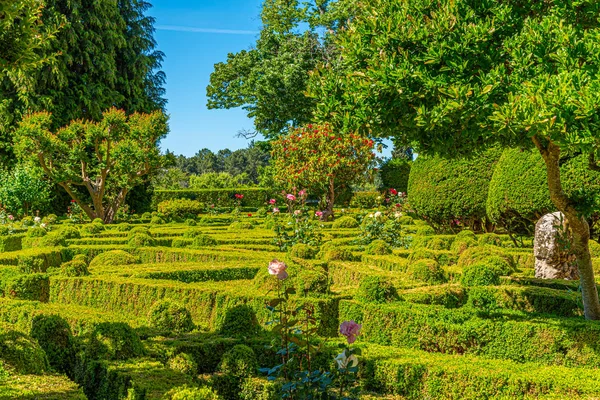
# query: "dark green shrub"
445, 190
28, 287
70, 232
22, 353
378, 248
480, 275
240, 321
141, 240
170, 316
260, 389
304, 251
492, 255
345, 222
204, 241
428, 271
253, 197
28, 264
191, 393
311, 281
54, 336
394, 174
10, 242
483, 298
240, 362
78, 266
489, 239
114, 258
180, 208
376, 289
365, 200
114, 341
183, 363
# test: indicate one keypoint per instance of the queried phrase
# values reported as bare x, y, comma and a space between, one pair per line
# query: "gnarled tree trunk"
330, 199
579, 228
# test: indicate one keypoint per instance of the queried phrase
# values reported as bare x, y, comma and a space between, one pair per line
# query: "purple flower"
351, 330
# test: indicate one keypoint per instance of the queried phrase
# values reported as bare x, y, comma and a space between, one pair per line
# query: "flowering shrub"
386, 225
297, 226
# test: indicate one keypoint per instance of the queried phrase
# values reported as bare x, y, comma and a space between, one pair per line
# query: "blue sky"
194, 35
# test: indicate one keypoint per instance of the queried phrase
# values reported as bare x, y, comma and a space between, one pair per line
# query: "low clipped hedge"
253, 197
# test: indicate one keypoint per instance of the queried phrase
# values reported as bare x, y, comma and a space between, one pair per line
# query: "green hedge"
443, 190
11, 242
394, 174
253, 197
203, 275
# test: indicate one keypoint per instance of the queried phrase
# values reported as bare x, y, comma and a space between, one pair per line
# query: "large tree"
269, 81
453, 76
106, 159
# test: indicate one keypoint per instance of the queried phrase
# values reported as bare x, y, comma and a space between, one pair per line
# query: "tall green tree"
104, 159
454, 76
270, 80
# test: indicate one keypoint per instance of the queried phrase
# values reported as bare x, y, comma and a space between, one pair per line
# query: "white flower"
344, 362
378, 214
37, 220
297, 212
397, 214
43, 225
371, 215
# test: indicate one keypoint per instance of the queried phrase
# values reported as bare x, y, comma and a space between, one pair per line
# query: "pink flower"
301, 193
351, 330
278, 268
272, 201
393, 192
291, 197
276, 210
11, 217
319, 214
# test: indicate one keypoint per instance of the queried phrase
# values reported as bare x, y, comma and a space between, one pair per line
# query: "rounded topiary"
240, 321
311, 281
204, 241
157, 221
240, 362
170, 316
345, 222
488, 255
138, 229
27, 221
191, 393
444, 190
54, 336
114, 258
70, 232
183, 363
92, 229
190, 222
50, 219
180, 243
141, 240
466, 234
22, 353
480, 275
376, 289
489, 239
114, 341
304, 251
437, 243
98, 221
394, 174
428, 271
192, 233
78, 266
484, 299
378, 247
425, 230
338, 255
460, 244
36, 231
123, 227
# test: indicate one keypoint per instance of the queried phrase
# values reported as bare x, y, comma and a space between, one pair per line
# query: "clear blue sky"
194, 35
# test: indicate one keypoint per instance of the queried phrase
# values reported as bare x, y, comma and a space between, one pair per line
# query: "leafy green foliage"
22, 353
376, 289
54, 336
394, 174
170, 316
240, 321
23, 190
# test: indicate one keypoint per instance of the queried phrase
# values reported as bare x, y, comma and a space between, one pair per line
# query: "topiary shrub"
141, 240
444, 190
170, 316
378, 247
36, 231
92, 229
484, 299
70, 232
113, 258
123, 227
428, 271
366, 200
157, 220
54, 336
488, 255
480, 275
191, 393
114, 341
240, 321
183, 363
138, 229
311, 281
204, 241
240, 362
425, 230
376, 289
35, 287
190, 222
22, 353
192, 233
337, 255
303, 251
78, 266
180, 208
394, 173
180, 243
459, 245
345, 222
489, 239
50, 219
240, 225
437, 243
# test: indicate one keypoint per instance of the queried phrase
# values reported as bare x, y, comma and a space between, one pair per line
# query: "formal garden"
462, 265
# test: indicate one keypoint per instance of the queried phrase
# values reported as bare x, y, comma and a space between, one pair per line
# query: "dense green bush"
203, 241
240, 321
304, 251
366, 200
480, 274
311, 281
54, 336
428, 271
183, 363
253, 197
92, 228
491, 255
376, 289
240, 225
28, 287
191, 393
36, 231
337, 254
11, 243
141, 240
70, 232
180, 208
114, 258
156, 220
78, 266
235, 367
22, 353
170, 316
138, 229
489, 239
444, 190
345, 222
394, 174
378, 247
114, 341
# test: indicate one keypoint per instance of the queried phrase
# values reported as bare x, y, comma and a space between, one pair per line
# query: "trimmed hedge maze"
149, 311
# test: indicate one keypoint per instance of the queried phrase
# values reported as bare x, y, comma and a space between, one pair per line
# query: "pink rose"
278, 268
276, 210
319, 214
301, 193
272, 201
11, 217
350, 329
291, 197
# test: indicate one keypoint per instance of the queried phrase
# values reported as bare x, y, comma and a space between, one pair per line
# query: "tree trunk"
328, 212
579, 228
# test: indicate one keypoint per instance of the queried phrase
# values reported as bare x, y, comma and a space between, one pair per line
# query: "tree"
269, 80
106, 158
106, 58
457, 75
23, 190
315, 158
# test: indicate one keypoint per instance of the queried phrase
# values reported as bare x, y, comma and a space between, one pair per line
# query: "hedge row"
253, 197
